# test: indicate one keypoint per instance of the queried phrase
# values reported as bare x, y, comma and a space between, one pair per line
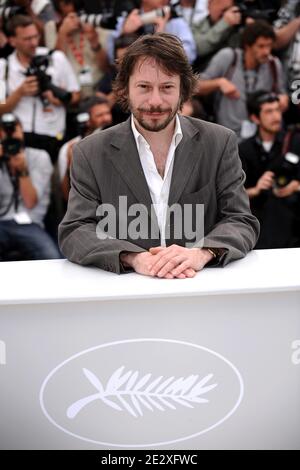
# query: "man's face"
154, 95
217, 8
261, 50
270, 117
26, 40
100, 116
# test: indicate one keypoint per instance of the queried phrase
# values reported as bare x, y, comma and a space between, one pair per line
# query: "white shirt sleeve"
64, 73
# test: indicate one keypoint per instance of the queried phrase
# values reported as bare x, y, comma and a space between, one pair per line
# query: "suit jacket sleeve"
77, 233
236, 229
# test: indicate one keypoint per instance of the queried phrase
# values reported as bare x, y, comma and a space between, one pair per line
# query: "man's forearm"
209, 41
286, 34
206, 87
61, 41
252, 192
28, 192
11, 102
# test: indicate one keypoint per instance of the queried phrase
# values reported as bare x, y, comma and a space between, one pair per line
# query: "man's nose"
34, 43
155, 98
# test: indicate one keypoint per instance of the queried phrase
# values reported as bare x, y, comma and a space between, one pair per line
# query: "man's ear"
255, 119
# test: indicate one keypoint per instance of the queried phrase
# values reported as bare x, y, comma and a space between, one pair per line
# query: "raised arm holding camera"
159, 16
217, 29
39, 86
80, 40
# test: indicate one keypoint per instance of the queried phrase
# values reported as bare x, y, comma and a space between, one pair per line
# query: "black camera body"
38, 68
251, 9
112, 10
287, 171
105, 14
7, 12
10, 145
82, 124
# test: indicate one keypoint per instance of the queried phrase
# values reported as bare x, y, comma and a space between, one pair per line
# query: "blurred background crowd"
58, 61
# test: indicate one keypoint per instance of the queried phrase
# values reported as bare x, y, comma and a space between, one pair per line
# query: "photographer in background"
271, 161
42, 114
217, 30
95, 115
25, 175
83, 45
42, 13
157, 16
233, 74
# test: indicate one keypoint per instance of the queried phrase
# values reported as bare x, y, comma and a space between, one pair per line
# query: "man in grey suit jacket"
150, 164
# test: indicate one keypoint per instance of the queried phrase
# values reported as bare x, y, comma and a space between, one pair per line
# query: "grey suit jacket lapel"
186, 156
126, 160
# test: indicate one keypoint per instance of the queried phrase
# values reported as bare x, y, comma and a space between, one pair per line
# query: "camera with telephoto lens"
105, 14
7, 12
38, 68
174, 9
10, 145
249, 9
287, 171
82, 124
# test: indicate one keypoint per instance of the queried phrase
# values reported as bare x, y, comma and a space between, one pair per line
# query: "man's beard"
155, 124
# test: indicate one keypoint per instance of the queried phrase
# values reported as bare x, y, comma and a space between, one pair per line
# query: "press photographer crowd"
58, 62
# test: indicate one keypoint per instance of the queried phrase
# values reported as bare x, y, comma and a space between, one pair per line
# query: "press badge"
22, 218
85, 76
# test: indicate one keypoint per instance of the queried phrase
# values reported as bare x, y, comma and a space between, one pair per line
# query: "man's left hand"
17, 163
287, 190
52, 99
176, 259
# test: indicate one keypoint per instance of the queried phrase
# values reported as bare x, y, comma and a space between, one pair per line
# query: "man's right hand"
233, 16
140, 262
229, 89
30, 86
70, 24
132, 23
265, 182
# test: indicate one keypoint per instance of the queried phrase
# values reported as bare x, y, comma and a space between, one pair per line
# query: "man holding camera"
217, 30
25, 175
271, 161
158, 16
42, 114
233, 74
95, 115
82, 44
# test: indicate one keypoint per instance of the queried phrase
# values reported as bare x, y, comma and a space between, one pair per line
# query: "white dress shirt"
159, 187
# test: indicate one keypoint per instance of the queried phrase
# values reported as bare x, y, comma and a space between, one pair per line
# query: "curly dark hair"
258, 29
168, 53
